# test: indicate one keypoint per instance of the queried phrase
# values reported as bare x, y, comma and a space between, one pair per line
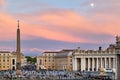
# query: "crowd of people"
49, 74
42, 74
29, 73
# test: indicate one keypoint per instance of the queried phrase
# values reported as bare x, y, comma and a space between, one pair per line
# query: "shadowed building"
55, 60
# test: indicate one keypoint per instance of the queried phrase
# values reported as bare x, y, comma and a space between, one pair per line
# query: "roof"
62, 54
64, 50
51, 52
67, 50
4, 51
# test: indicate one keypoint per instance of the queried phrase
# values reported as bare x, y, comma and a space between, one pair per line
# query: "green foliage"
30, 59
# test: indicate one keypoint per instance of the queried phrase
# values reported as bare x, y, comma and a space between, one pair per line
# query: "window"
13, 61
49, 54
53, 54
70, 60
7, 60
3, 66
40, 62
53, 60
3, 60
52, 66
45, 60
45, 54
49, 59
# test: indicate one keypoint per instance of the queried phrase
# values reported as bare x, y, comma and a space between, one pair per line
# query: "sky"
50, 25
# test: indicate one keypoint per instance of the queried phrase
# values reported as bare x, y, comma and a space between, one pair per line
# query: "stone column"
93, 64
101, 63
75, 64
88, 64
83, 64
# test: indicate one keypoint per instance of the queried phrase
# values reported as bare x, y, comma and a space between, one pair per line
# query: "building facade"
58, 60
84, 60
94, 60
12, 60
7, 60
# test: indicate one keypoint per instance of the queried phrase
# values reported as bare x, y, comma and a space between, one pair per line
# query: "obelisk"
18, 52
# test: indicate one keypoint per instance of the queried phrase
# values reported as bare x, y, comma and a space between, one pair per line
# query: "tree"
30, 59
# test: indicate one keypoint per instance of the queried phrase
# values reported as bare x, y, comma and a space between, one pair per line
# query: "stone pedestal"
18, 70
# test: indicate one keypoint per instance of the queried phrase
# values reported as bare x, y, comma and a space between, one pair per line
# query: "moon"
92, 4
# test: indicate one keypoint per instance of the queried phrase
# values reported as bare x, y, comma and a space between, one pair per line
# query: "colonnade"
93, 63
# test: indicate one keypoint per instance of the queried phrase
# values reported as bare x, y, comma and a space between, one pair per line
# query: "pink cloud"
59, 25
99, 23
7, 26
39, 31
1, 2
